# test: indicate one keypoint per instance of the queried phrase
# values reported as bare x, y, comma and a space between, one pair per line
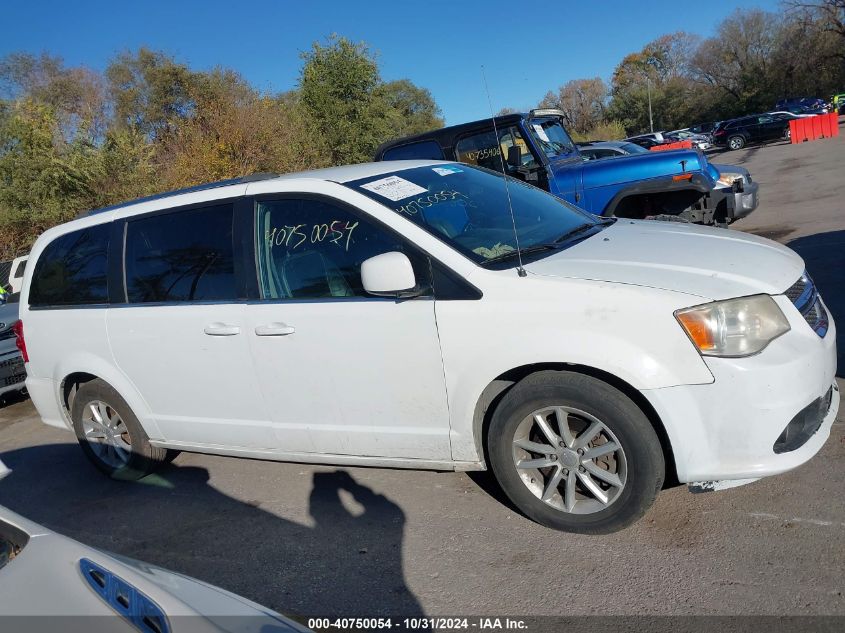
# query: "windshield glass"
551, 137
467, 207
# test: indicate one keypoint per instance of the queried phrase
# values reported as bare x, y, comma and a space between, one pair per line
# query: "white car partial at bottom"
433, 315
45, 576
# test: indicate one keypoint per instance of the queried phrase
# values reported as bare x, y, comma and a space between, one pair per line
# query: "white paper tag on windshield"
394, 188
541, 133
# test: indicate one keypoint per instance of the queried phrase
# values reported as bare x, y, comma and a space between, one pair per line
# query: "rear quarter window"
72, 270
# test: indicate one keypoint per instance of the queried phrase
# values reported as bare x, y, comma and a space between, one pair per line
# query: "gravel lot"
316, 541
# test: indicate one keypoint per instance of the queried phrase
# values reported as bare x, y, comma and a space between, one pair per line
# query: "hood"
61, 570
637, 167
712, 263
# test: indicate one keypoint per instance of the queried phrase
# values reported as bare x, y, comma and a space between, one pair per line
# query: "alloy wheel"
569, 459
106, 434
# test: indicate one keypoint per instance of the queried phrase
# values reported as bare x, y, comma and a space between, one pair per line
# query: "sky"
526, 49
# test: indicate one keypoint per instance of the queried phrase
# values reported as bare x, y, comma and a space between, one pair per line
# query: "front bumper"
728, 429
740, 199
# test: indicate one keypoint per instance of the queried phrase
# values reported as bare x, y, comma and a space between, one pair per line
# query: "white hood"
712, 263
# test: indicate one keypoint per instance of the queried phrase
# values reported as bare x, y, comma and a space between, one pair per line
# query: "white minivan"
435, 315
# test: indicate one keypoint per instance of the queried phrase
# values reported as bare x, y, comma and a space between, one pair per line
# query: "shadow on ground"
824, 254
349, 564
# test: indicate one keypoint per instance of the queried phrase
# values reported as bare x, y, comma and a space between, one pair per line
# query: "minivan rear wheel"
574, 453
110, 434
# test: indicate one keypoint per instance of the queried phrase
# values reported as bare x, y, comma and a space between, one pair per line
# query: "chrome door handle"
221, 329
274, 329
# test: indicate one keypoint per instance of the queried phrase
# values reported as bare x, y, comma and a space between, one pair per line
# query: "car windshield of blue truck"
467, 207
551, 137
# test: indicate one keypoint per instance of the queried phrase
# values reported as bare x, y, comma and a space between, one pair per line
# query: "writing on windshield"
468, 208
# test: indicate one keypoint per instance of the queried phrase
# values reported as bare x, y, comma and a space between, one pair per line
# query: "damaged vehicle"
430, 315
535, 148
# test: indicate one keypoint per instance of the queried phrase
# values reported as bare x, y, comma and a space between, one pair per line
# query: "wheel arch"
72, 375
499, 386
695, 188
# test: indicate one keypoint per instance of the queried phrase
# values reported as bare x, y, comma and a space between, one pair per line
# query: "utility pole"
650, 119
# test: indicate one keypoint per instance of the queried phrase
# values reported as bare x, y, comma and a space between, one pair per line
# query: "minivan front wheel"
574, 453
110, 434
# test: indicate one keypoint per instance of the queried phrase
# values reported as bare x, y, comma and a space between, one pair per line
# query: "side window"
72, 270
313, 249
181, 256
485, 151
480, 149
19, 271
424, 150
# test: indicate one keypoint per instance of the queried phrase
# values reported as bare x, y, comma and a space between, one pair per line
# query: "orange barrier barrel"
825, 126
817, 127
793, 131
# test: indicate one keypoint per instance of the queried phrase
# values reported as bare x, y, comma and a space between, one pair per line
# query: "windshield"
551, 137
467, 207
633, 148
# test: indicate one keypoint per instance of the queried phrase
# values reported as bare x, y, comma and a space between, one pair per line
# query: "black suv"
759, 128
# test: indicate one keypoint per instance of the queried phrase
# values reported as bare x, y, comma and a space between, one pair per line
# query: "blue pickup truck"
535, 147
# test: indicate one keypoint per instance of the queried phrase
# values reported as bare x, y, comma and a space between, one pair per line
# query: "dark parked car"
748, 130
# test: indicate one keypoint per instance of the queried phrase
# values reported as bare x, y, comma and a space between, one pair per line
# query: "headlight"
728, 178
736, 327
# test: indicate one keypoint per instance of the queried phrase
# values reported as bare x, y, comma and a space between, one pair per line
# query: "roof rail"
211, 185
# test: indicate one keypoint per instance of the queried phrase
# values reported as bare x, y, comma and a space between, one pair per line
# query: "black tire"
143, 457
736, 142
643, 453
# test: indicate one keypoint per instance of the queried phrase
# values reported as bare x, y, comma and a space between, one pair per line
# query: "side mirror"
389, 275
515, 156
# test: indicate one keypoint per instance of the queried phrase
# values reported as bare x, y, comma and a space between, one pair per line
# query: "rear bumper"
731, 429
12, 372
44, 394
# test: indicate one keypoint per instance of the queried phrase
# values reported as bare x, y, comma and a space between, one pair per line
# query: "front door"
342, 372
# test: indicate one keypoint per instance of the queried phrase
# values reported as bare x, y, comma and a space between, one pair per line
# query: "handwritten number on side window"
292, 237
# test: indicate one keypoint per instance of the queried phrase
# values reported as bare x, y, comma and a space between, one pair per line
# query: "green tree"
339, 87
412, 109
76, 95
44, 180
150, 91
